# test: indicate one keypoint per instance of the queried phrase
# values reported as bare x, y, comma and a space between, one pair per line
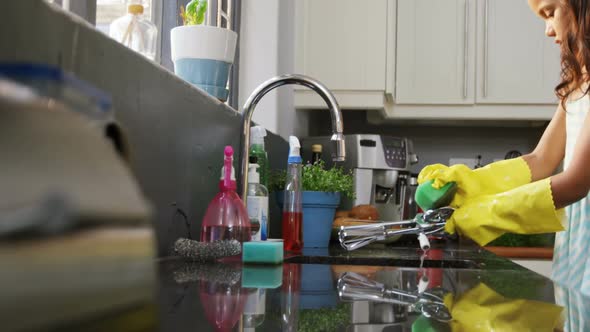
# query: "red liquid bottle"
292, 216
292, 232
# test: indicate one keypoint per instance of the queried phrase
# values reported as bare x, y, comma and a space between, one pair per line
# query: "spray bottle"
292, 210
257, 203
226, 217
257, 134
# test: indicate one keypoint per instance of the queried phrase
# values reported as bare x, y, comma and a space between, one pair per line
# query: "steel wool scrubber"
206, 251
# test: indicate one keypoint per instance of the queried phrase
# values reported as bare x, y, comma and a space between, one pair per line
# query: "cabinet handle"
485, 47
466, 49
390, 50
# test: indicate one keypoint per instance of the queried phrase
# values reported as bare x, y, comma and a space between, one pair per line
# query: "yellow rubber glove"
491, 179
527, 209
482, 309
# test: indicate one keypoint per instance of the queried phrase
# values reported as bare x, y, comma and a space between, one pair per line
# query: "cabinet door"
435, 52
342, 43
517, 63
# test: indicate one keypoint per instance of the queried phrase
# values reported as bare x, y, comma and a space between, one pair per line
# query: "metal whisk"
430, 222
355, 287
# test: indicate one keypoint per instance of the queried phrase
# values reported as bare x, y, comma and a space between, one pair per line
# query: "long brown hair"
575, 50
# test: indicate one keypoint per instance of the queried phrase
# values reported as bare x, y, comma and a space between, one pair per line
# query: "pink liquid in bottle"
223, 304
226, 217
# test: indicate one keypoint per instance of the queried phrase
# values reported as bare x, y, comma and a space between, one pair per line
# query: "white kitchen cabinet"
517, 63
342, 43
428, 60
435, 52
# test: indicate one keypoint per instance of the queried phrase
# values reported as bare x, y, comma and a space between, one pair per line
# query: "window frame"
165, 15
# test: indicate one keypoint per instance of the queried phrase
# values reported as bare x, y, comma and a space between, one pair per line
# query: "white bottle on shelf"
257, 203
135, 31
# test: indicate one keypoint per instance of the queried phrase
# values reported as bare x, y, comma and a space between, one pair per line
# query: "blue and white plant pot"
203, 56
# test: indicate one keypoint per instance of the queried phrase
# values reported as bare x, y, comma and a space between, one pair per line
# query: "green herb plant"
327, 319
524, 240
324, 319
315, 177
194, 13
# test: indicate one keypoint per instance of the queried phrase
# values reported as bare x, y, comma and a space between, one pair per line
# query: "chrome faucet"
337, 125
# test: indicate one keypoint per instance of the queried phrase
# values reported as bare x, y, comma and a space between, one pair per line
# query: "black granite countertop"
392, 288
442, 254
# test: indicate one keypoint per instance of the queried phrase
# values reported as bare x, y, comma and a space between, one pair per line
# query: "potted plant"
333, 318
322, 190
202, 54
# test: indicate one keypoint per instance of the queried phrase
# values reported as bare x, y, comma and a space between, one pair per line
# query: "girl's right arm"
550, 150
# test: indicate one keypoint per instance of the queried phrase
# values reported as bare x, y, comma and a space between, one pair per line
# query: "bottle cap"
135, 9
228, 152
294, 150
253, 160
257, 135
233, 174
316, 148
253, 176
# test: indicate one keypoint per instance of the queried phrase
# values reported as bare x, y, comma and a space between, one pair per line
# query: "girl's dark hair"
575, 50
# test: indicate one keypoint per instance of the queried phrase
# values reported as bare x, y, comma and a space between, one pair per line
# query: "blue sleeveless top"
571, 257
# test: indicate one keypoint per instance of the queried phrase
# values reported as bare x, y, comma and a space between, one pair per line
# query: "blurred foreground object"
75, 238
58, 170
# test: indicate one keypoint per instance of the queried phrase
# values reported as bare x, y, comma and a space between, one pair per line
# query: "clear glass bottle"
290, 296
257, 134
257, 203
135, 31
292, 206
254, 309
316, 153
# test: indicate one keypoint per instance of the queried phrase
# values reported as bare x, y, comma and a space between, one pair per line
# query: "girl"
521, 195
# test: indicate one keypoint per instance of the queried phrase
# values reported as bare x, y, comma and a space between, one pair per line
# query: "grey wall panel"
437, 144
176, 132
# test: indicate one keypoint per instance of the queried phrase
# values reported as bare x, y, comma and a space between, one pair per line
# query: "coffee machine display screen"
394, 144
395, 151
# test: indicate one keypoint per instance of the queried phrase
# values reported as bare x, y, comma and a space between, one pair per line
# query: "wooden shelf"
523, 252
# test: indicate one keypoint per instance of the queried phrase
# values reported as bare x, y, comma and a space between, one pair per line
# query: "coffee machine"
380, 166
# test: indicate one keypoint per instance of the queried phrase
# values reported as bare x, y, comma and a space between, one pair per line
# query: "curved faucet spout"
337, 125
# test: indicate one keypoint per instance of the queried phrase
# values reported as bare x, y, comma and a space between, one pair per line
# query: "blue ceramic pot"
319, 209
209, 75
317, 287
203, 55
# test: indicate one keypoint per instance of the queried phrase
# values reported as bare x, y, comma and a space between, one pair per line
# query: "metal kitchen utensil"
427, 223
355, 287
